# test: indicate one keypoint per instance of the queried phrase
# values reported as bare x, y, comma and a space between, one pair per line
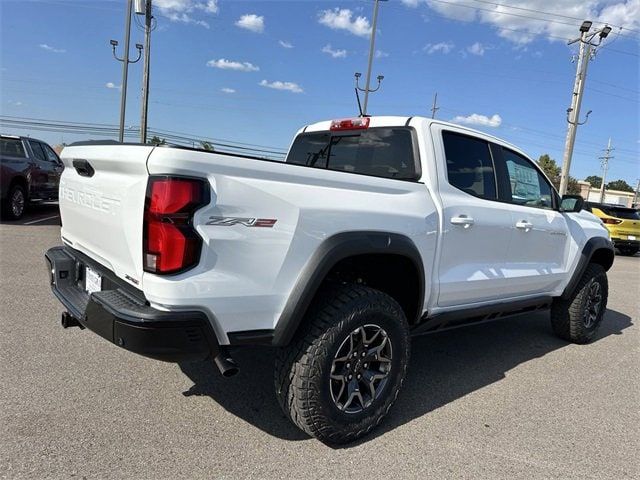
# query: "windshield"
382, 152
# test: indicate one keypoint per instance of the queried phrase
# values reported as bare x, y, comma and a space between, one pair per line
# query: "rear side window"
12, 147
528, 186
381, 152
469, 165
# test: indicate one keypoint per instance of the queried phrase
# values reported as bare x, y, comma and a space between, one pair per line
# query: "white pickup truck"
372, 230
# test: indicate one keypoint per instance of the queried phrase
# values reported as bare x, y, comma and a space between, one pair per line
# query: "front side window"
12, 147
51, 155
469, 165
381, 152
37, 150
528, 185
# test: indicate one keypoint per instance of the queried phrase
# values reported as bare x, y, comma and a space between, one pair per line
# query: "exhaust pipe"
227, 366
68, 321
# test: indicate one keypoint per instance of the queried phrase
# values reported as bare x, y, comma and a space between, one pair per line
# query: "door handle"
463, 220
524, 225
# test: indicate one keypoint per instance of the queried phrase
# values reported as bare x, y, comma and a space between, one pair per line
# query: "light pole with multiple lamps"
587, 50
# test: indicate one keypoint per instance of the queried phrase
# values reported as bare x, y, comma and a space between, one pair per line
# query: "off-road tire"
302, 368
8, 210
568, 316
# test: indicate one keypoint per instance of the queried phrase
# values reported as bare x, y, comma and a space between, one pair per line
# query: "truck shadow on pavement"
444, 367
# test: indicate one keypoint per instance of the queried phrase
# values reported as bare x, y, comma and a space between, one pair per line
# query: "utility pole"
148, 17
587, 49
125, 66
435, 107
605, 166
636, 195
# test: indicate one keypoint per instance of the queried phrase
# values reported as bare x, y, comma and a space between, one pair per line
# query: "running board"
476, 315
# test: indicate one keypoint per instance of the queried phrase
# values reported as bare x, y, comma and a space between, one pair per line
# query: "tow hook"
68, 321
227, 366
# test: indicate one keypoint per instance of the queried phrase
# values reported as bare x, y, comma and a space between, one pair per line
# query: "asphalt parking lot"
503, 400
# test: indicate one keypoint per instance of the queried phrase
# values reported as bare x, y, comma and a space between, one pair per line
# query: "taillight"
359, 123
611, 221
170, 243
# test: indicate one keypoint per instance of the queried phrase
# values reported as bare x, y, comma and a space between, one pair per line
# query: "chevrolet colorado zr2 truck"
374, 229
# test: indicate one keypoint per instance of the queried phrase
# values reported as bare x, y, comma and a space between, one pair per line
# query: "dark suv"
29, 171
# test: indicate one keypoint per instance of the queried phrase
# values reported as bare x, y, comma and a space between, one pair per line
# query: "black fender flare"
606, 252
327, 255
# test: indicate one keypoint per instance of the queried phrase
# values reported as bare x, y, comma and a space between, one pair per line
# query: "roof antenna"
359, 105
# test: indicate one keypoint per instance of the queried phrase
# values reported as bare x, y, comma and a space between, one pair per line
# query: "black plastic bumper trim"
122, 315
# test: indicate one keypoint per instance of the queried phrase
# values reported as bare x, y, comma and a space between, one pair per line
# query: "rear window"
620, 212
386, 152
12, 147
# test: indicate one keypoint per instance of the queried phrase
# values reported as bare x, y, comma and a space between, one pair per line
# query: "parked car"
623, 224
373, 230
29, 172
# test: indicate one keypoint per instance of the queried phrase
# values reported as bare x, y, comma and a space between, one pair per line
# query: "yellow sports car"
623, 225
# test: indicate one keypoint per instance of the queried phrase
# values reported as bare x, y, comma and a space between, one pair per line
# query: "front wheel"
578, 318
341, 375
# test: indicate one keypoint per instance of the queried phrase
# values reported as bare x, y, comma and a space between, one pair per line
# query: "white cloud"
340, 53
49, 48
381, 54
182, 10
342, 19
284, 44
477, 119
476, 49
225, 64
514, 21
112, 85
227, 90
277, 85
252, 22
442, 47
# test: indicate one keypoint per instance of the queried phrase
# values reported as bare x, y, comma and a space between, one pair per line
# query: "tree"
619, 185
155, 140
207, 146
552, 170
594, 180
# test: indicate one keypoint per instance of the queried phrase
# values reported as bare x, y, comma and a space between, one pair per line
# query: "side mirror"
571, 203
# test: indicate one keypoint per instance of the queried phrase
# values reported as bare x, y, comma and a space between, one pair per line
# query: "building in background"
616, 197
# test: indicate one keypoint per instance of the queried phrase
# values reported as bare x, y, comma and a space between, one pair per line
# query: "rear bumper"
121, 314
624, 243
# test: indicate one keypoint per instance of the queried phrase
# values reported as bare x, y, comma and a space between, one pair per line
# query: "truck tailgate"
102, 195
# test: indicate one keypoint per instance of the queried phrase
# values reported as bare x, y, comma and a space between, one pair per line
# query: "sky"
257, 71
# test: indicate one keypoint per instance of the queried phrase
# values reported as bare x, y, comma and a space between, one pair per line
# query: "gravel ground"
502, 400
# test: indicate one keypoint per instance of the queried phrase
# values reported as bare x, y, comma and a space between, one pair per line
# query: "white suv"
372, 230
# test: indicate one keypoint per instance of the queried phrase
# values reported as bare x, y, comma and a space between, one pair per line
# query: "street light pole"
145, 75
125, 70
573, 112
605, 166
371, 54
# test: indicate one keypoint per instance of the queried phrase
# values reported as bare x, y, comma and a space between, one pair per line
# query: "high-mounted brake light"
359, 123
170, 243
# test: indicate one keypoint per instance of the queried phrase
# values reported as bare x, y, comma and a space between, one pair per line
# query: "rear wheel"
15, 203
628, 251
578, 318
341, 374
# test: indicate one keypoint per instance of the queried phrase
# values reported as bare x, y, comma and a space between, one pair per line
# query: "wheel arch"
598, 250
340, 250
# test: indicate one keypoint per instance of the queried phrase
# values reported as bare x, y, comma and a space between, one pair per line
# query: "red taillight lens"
611, 221
171, 244
359, 123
